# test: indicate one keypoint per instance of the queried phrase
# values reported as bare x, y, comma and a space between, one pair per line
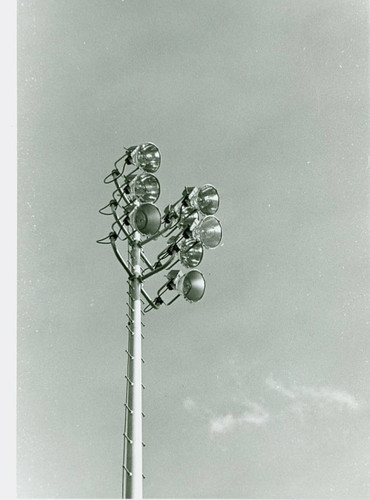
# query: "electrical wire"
115, 171
102, 242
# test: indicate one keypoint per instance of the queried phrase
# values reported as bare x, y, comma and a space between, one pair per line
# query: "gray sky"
262, 388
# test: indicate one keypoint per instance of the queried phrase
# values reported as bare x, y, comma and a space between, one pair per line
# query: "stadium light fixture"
191, 227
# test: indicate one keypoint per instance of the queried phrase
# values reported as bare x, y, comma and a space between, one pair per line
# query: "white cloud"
329, 396
254, 415
257, 417
189, 404
300, 400
323, 396
222, 424
273, 384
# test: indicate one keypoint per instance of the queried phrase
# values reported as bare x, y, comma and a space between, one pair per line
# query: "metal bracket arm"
123, 195
121, 226
145, 259
115, 172
158, 269
149, 300
113, 237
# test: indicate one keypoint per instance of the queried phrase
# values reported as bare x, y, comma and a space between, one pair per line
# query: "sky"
260, 390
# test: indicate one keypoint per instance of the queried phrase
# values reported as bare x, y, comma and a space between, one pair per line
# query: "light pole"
133, 405
190, 226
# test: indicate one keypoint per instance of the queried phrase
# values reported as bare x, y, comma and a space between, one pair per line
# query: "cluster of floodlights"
189, 224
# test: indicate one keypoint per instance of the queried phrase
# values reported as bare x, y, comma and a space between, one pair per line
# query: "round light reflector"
191, 253
146, 188
208, 199
188, 215
148, 157
209, 232
192, 285
147, 219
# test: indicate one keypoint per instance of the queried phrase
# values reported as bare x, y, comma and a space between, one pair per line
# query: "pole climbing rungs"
129, 354
126, 469
129, 409
129, 329
133, 413
128, 439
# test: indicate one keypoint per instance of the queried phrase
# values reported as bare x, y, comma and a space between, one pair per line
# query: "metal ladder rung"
129, 354
129, 329
128, 439
126, 469
128, 408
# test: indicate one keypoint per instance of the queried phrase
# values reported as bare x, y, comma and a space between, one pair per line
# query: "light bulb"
146, 188
209, 232
148, 157
208, 199
191, 253
192, 285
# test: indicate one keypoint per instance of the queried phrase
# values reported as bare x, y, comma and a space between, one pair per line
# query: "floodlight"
208, 199
192, 285
189, 192
147, 156
191, 253
209, 232
188, 216
145, 188
146, 219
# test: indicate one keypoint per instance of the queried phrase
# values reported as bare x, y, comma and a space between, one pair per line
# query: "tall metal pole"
134, 442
